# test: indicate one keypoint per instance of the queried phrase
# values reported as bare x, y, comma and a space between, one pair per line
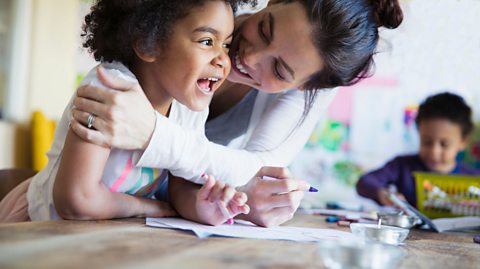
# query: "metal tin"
382, 233
398, 220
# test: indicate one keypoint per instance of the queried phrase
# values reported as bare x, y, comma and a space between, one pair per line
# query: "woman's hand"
124, 118
273, 202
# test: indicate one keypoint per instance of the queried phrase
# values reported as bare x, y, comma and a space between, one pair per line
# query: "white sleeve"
279, 135
274, 141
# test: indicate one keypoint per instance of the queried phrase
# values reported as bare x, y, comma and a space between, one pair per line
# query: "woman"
304, 45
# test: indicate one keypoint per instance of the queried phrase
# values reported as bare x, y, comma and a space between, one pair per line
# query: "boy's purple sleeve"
369, 184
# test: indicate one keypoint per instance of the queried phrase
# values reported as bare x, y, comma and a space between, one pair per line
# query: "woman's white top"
273, 137
120, 174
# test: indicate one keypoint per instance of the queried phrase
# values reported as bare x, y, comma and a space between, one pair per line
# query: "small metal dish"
397, 220
359, 255
384, 234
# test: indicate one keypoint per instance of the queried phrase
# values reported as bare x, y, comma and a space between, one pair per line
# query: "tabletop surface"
129, 243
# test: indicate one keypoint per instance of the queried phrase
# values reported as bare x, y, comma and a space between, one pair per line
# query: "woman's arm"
274, 140
79, 193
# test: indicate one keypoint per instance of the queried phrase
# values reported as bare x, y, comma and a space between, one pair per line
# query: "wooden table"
130, 244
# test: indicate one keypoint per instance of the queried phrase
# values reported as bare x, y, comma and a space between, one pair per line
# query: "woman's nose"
252, 56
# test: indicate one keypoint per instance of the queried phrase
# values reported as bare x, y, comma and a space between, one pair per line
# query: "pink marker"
226, 213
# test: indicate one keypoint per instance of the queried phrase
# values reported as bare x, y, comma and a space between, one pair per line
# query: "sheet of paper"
456, 224
244, 229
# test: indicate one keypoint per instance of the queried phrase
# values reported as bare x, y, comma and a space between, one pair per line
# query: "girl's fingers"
224, 209
217, 192
239, 209
228, 193
206, 189
240, 198
237, 204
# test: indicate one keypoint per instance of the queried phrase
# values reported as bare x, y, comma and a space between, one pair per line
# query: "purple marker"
311, 189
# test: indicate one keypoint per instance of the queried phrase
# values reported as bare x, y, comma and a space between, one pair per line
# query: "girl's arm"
79, 193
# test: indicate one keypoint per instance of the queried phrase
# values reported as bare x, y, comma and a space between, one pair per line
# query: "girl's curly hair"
113, 26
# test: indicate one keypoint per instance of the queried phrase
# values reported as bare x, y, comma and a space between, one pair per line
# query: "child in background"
177, 51
444, 122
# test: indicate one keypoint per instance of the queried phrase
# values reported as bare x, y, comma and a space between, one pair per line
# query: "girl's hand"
217, 202
124, 118
273, 202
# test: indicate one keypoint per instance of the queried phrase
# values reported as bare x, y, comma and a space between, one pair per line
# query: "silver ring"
90, 120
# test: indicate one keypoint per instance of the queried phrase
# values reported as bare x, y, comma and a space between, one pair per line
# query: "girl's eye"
206, 42
227, 45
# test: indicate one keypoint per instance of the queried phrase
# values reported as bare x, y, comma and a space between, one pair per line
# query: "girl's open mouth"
206, 85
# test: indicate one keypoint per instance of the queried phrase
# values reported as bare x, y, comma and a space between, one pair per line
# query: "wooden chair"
10, 178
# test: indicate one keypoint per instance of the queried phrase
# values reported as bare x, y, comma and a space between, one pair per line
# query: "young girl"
177, 51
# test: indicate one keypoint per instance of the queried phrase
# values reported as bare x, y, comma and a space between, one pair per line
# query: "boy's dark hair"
113, 27
447, 106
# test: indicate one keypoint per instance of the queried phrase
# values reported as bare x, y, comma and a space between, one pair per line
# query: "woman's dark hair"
447, 106
113, 27
345, 33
